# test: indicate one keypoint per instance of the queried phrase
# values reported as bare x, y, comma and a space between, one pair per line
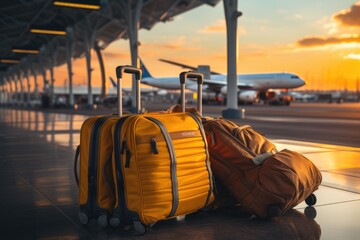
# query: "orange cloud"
179, 43
349, 17
353, 56
322, 41
219, 27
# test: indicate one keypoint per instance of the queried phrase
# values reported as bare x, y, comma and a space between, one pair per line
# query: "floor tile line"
54, 205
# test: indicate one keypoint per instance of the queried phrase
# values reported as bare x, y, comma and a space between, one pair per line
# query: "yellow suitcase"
160, 165
94, 156
95, 182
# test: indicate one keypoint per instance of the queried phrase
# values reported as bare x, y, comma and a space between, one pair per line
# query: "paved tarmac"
39, 193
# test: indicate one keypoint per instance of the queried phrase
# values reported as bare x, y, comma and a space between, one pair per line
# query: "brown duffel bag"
262, 180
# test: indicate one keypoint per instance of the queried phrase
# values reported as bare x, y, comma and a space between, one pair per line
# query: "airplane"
111, 99
252, 87
150, 91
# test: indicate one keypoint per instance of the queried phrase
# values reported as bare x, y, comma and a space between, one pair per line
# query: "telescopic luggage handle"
200, 79
120, 70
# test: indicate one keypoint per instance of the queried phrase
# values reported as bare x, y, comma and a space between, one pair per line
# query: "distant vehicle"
330, 97
60, 102
251, 87
303, 97
111, 101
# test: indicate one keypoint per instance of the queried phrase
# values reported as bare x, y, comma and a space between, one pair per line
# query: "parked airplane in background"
252, 87
145, 91
111, 99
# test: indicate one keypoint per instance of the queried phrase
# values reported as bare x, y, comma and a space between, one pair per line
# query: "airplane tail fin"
145, 71
113, 82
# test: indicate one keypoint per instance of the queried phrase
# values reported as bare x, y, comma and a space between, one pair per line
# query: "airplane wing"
144, 90
185, 66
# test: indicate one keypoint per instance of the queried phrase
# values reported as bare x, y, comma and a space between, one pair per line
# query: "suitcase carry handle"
76, 164
200, 79
120, 70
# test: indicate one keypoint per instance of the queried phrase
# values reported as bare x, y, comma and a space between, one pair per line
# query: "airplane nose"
300, 82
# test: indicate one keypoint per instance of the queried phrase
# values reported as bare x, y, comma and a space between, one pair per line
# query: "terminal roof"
108, 24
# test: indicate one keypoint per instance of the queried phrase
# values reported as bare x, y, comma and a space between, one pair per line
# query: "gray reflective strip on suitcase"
259, 159
174, 182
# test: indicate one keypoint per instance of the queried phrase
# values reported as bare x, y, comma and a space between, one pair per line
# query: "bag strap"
77, 153
245, 151
259, 159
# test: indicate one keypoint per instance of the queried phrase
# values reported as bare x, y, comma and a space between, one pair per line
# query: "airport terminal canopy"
34, 31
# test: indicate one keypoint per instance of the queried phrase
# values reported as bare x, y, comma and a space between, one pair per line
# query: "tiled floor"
39, 195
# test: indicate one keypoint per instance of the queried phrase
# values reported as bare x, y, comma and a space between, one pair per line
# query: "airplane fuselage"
262, 81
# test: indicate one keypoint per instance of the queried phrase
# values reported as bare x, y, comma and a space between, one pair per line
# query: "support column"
10, 91
36, 87
4, 91
16, 94
133, 21
89, 40
42, 68
45, 100
45, 82
102, 70
69, 53
28, 96
88, 70
231, 15
52, 80
21, 88
52, 54
2, 94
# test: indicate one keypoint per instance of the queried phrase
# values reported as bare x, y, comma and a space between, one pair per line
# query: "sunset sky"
317, 39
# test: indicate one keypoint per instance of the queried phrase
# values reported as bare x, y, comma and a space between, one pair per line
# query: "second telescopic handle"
200, 79
120, 70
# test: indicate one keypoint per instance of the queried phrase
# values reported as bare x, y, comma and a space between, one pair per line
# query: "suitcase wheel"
114, 221
274, 210
103, 221
141, 228
311, 200
180, 218
83, 217
310, 212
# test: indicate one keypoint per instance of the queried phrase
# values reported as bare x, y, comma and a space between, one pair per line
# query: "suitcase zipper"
93, 157
124, 149
174, 182
121, 199
154, 146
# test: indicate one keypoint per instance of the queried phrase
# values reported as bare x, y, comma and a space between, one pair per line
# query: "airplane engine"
266, 96
248, 96
276, 97
223, 90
